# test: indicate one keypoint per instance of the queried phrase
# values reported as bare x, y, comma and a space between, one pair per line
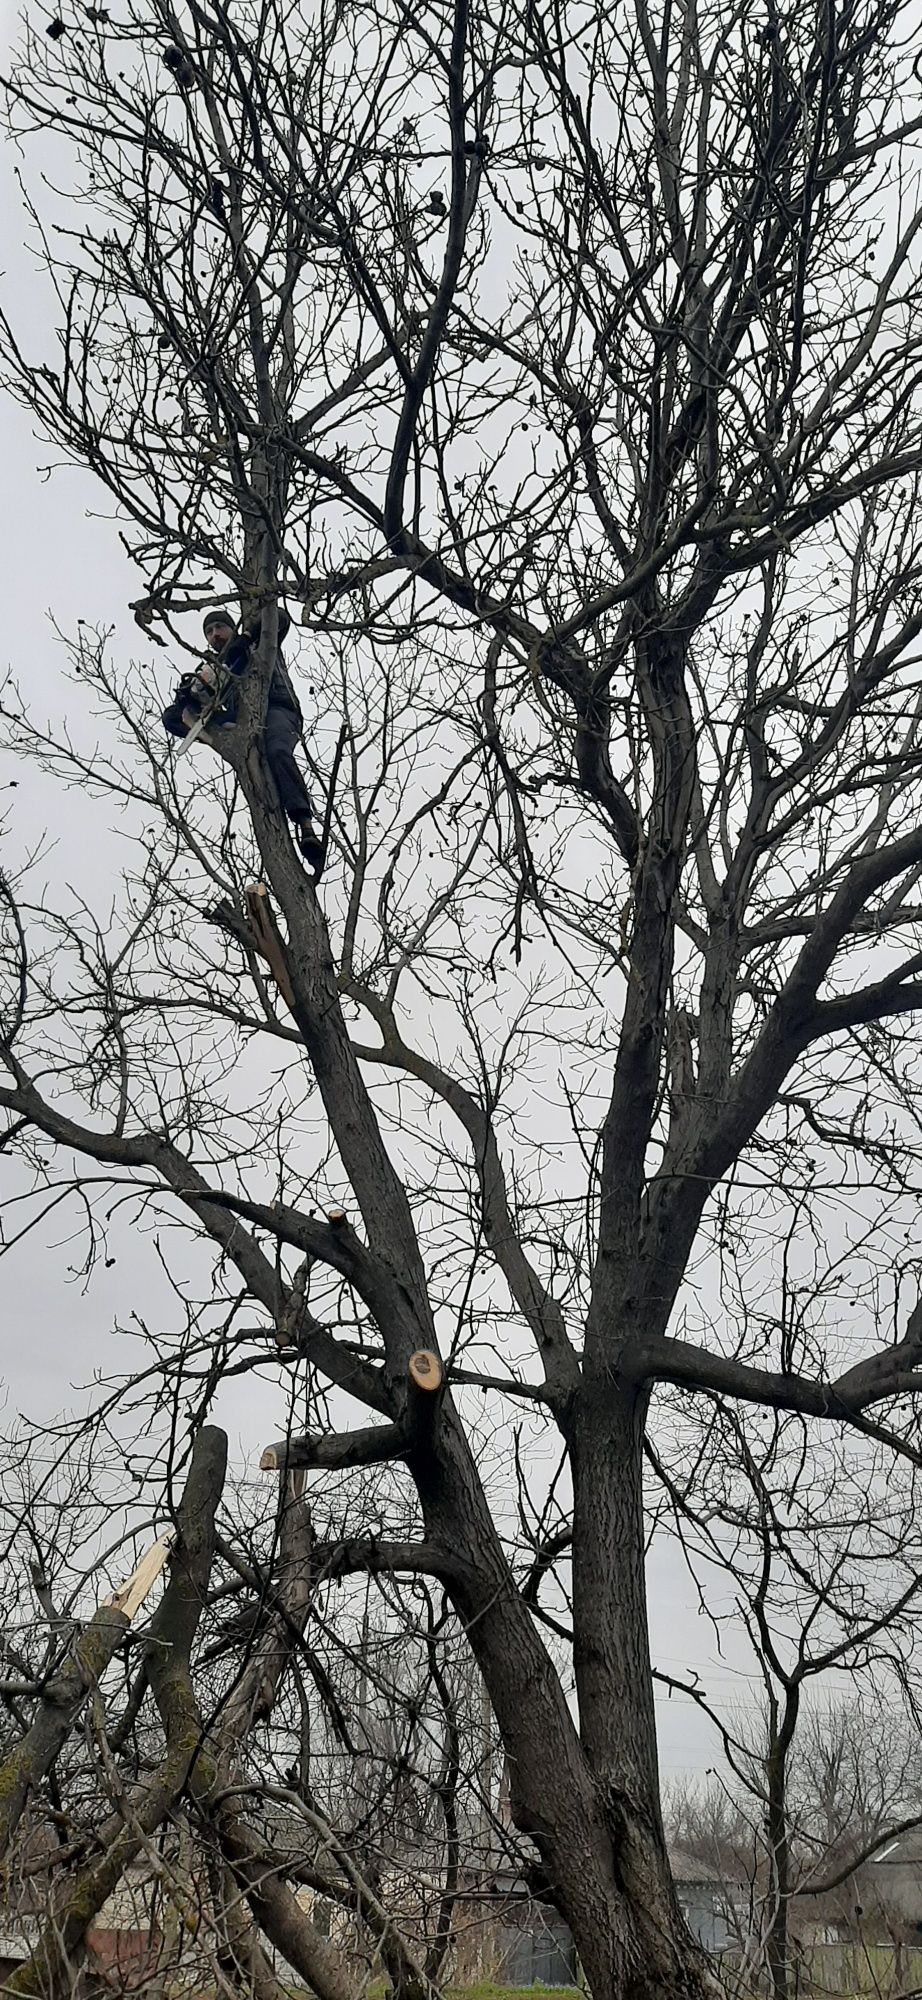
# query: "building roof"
905, 1850
689, 1868
688, 1871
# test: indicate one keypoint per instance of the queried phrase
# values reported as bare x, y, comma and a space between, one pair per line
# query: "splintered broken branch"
268, 938
79, 1897
258, 932
69, 1687
376, 1444
131, 1594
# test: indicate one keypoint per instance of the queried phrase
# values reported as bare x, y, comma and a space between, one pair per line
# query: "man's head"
219, 626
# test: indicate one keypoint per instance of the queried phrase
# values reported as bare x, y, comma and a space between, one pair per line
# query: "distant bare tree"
815, 1554
856, 1783
563, 366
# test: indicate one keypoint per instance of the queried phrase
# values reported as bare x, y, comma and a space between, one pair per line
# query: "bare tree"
363, 1804
811, 1550
852, 1785
564, 367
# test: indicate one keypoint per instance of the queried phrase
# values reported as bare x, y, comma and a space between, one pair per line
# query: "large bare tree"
563, 365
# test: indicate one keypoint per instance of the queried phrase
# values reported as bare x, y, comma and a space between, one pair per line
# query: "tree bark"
646, 1950
779, 1840
63, 1696
48, 1971
590, 1806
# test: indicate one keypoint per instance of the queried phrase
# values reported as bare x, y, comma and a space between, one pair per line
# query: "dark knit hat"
219, 615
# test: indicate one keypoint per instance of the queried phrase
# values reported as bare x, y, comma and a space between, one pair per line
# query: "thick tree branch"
216, 1212
893, 1371
794, 1020
172, 1632
535, 1302
380, 1444
341, 1248
458, 218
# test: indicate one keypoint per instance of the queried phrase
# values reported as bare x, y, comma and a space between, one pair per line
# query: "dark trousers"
281, 733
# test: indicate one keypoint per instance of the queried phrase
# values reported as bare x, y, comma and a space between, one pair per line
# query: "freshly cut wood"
268, 938
425, 1377
73, 1681
131, 1596
425, 1371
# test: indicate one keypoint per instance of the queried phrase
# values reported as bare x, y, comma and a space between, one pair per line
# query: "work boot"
310, 845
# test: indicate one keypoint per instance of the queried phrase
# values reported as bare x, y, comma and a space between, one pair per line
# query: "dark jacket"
235, 660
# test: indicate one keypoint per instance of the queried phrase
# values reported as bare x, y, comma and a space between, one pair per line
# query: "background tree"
564, 366
806, 1547
852, 1792
370, 1799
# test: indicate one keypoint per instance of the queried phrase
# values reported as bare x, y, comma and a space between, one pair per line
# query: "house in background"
536, 1951
504, 1932
125, 1939
894, 1877
715, 1908
525, 1942
122, 1949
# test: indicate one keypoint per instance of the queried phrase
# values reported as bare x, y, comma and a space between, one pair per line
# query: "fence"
543, 1956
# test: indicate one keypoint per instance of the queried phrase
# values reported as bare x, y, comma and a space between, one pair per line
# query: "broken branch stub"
425, 1377
257, 932
66, 1692
268, 938
131, 1594
377, 1444
336, 1451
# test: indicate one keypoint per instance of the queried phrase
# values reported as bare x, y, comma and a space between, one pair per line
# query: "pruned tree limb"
172, 1631
63, 1696
380, 1444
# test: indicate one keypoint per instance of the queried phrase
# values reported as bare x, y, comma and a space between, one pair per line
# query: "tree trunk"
598, 1830
611, 1644
779, 1842
590, 1806
648, 1952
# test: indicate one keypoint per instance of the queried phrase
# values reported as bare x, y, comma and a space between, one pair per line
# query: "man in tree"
283, 723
